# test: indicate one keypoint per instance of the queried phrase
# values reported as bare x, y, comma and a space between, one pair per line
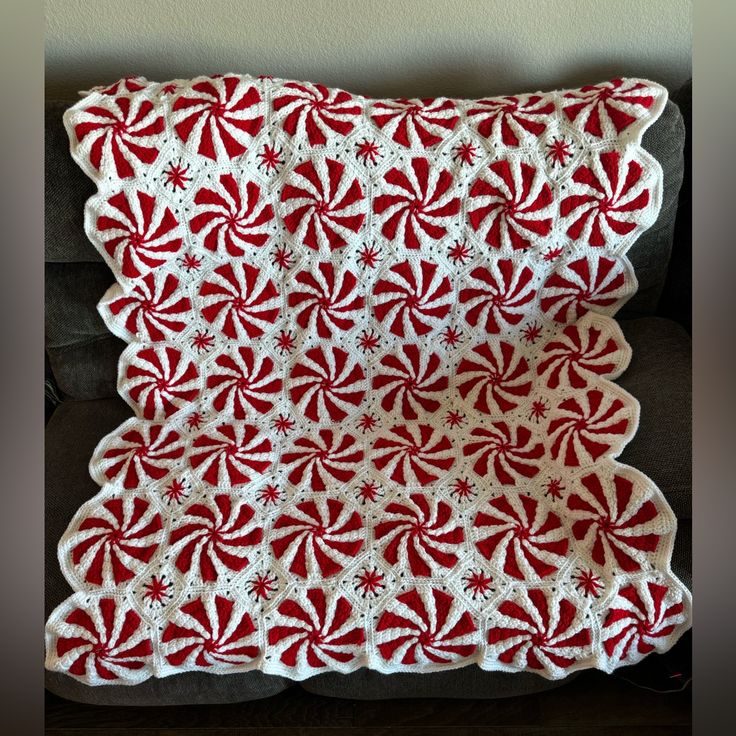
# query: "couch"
83, 405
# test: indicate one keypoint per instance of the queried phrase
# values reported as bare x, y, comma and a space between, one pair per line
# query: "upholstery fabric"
66, 189
676, 300
650, 255
660, 377
82, 353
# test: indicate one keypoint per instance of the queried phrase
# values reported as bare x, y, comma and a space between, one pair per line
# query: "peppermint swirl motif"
121, 133
232, 217
419, 533
103, 641
154, 310
322, 205
210, 631
541, 631
219, 118
138, 231
213, 538
413, 454
418, 204
319, 460
320, 535
318, 632
427, 627
116, 540
526, 540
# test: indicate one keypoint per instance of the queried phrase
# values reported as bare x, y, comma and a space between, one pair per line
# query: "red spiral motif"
105, 641
614, 102
317, 632
316, 111
507, 454
588, 427
321, 205
512, 117
542, 631
511, 207
141, 452
413, 454
616, 520
642, 617
115, 541
498, 295
589, 283
495, 376
418, 204
326, 384
139, 233
607, 201
239, 301
326, 301
220, 117
160, 381
231, 217
154, 310
213, 537
241, 382
414, 299
211, 630
410, 381
577, 355
318, 537
231, 455
426, 626
521, 536
425, 535
416, 123
120, 132
327, 458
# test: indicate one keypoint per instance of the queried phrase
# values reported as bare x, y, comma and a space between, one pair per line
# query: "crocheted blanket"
370, 360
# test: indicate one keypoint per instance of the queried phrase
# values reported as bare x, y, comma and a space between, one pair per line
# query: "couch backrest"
83, 354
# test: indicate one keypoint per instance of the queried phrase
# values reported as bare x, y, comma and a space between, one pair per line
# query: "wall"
460, 48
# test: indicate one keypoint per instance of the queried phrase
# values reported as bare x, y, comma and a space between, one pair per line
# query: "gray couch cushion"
659, 376
67, 188
466, 682
72, 433
82, 352
676, 300
650, 254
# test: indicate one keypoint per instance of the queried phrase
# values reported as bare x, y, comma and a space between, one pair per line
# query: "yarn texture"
370, 360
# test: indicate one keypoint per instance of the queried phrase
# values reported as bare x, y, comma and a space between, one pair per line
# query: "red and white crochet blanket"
370, 360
